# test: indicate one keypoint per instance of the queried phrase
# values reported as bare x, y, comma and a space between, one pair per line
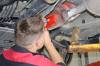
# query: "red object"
68, 5
55, 15
95, 64
52, 20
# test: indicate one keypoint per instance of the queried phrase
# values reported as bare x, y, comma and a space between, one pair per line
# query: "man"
29, 39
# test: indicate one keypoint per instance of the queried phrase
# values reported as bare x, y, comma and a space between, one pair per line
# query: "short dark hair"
26, 29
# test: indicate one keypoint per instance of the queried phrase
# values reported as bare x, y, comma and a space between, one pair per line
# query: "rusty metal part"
75, 35
84, 48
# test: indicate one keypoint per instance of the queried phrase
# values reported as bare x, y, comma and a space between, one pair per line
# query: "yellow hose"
84, 48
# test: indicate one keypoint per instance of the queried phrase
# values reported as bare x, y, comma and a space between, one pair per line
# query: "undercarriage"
79, 34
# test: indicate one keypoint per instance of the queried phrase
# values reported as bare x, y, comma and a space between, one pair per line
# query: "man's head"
28, 31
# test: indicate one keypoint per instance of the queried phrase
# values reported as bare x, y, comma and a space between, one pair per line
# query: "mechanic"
30, 37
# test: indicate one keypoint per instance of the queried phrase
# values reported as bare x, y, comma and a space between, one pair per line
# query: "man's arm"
55, 56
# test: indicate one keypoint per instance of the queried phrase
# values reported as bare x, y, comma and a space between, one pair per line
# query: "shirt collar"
22, 50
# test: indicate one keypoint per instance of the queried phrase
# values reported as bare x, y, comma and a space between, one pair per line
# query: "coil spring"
8, 22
